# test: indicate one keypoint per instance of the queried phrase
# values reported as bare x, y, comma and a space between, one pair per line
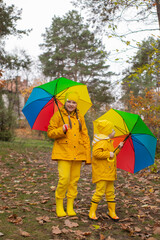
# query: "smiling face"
70, 105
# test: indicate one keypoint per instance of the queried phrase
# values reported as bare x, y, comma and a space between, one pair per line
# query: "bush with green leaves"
7, 122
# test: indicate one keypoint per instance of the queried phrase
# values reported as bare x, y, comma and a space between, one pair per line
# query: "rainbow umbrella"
139, 147
47, 98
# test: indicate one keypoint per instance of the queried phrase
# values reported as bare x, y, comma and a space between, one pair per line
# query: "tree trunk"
158, 11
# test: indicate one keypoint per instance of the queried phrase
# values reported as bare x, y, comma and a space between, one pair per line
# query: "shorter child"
104, 169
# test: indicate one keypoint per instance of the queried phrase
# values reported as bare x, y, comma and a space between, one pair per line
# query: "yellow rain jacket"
103, 168
75, 144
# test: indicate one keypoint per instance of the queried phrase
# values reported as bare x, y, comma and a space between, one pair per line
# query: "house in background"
11, 94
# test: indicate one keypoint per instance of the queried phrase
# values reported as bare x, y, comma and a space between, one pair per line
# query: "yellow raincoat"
102, 169
75, 144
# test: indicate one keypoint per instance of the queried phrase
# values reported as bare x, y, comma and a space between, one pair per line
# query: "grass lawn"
28, 179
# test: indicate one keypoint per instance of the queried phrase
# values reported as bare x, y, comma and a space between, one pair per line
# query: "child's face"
111, 135
70, 105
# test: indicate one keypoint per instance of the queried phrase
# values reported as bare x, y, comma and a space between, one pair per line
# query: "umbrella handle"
110, 160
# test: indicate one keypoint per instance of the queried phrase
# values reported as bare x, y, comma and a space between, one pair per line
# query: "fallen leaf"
64, 230
102, 237
44, 201
148, 228
125, 219
151, 238
137, 229
53, 188
15, 219
85, 221
127, 228
110, 238
96, 226
23, 233
157, 230
74, 218
151, 190
87, 233
56, 230
70, 224
43, 219
81, 234
26, 209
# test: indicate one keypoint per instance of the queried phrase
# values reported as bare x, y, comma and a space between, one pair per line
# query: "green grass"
26, 176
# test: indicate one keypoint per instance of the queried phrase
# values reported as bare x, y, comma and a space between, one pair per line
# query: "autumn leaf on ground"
15, 219
151, 238
137, 229
43, 219
110, 238
102, 237
44, 201
64, 230
70, 224
81, 233
26, 209
157, 230
127, 228
125, 220
23, 233
56, 230
53, 188
96, 226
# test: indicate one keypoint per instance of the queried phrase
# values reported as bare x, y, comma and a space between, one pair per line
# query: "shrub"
7, 122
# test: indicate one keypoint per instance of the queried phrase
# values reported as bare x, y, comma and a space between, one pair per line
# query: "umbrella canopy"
139, 148
47, 98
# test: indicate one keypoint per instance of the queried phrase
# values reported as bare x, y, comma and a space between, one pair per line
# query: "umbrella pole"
58, 108
123, 141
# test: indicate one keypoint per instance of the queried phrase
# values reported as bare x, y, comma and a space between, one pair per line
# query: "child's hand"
65, 128
111, 154
121, 145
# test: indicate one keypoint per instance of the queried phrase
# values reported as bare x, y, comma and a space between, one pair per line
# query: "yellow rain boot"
92, 212
112, 213
70, 210
59, 208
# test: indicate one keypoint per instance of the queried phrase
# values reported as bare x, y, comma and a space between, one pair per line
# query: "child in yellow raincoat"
71, 147
104, 168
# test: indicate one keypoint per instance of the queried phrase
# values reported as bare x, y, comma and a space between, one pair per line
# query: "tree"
144, 71
9, 15
7, 119
111, 12
148, 107
72, 51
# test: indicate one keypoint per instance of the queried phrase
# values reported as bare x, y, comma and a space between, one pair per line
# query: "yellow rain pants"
104, 187
69, 174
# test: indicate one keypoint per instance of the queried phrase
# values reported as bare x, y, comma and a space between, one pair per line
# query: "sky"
36, 15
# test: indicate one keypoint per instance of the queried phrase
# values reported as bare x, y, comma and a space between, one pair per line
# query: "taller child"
71, 147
